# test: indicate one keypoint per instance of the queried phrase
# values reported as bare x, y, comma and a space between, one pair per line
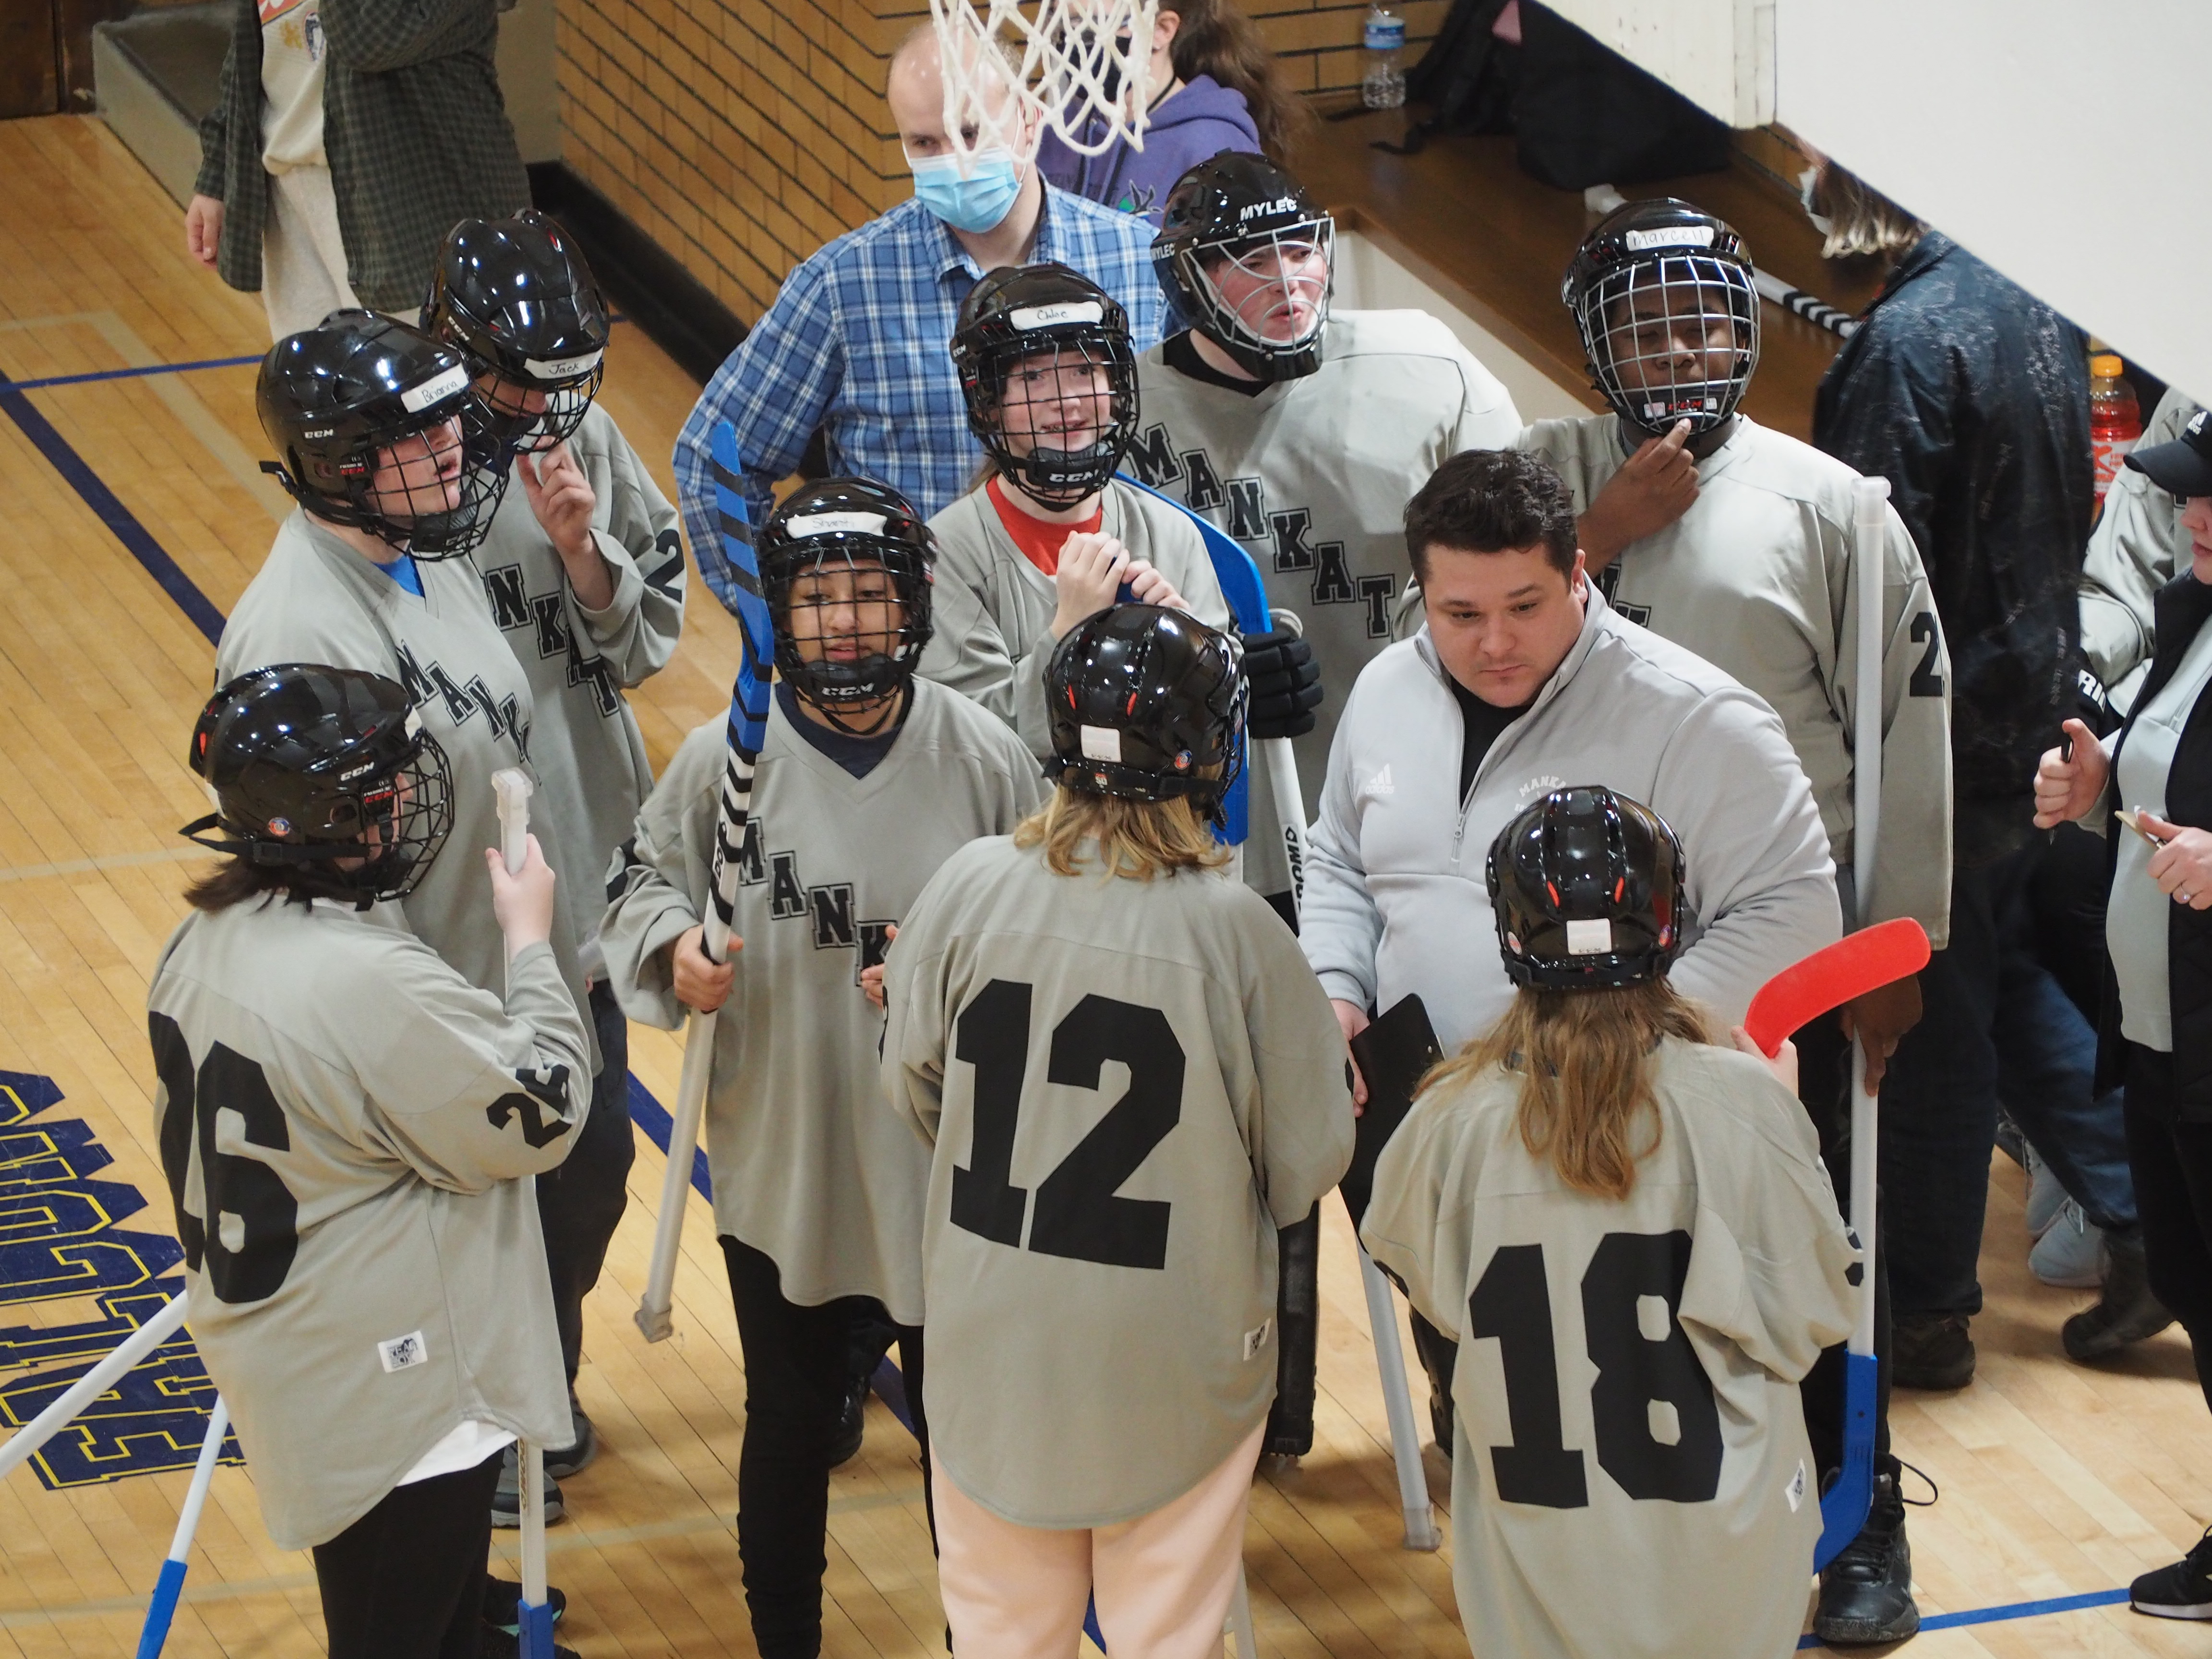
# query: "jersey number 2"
1645, 1383
251, 1232
1078, 1213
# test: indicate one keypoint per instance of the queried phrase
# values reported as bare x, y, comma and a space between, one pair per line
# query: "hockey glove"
1285, 683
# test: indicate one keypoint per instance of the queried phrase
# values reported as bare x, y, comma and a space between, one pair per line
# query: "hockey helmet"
1241, 219
1147, 703
1043, 356
819, 550
517, 298
1586, 887
312, 766
338, 399
1663, 296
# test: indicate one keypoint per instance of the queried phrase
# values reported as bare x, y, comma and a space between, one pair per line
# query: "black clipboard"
1394, 1052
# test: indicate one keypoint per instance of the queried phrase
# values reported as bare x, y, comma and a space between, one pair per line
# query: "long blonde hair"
1584, 1058
1139, 839
1863, 222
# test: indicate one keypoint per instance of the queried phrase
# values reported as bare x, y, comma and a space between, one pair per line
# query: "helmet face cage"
1067, 391
416, 509
1281, 273
852, 586
506, 422
1671, 337
1585, 887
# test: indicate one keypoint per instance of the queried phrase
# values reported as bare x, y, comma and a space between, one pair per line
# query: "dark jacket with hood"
1194, 125
1972, 397
2182, 607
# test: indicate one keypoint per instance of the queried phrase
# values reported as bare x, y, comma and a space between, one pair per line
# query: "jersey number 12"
1631, 1275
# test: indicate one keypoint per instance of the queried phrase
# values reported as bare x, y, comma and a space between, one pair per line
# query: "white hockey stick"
169, 1588
93, 1383
513, 787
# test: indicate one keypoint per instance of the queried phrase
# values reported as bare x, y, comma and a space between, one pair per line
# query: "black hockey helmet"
1245, 210
1586, 886
848, 524
1031, 311
1657, 290
517, 298
304, 762
335, 397
1147, 703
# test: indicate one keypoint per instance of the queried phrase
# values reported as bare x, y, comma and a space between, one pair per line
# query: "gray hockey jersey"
1128, 1086
592, 769
810, 1166
1631, 1477
994, 608
1313, 475
2137, 547
317, 600
348, 1129
1757, 578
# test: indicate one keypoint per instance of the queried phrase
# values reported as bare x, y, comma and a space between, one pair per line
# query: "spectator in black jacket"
1973, 399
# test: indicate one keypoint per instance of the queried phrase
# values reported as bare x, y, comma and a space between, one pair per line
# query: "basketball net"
1079, 58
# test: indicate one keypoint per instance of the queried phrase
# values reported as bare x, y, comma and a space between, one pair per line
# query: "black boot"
1931, 1351
1866, 1592
2127, 1312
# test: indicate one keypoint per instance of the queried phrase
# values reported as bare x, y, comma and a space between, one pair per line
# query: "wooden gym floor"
2057, 1482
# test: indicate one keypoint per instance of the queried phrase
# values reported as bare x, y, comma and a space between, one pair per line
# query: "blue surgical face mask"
975, 204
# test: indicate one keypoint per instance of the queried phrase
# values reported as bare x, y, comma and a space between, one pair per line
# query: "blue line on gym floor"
133, 374
648, 1113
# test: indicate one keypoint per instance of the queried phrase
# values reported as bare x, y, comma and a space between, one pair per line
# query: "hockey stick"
26, 1441
1797, 302
1831, 976
535, 1613
170, 1587
748, 700
1248, 599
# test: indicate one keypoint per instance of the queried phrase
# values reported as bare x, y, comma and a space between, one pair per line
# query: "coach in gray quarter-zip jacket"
1524, 680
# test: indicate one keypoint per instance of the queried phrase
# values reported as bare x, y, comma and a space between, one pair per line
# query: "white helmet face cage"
1671, 339
1288, 275
1072, 398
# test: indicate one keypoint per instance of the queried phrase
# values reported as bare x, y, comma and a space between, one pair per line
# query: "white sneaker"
2046, 1197
2071, 1254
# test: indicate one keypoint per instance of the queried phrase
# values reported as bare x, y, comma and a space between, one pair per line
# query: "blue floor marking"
2010, 1610
650, 1116
133, 374
137, 540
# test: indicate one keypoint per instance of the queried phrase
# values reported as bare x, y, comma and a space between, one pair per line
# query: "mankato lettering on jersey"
594, 768
994, 608
1313, 475
347, 1126
1129, 1085
810, 1166
1631, 1476
1757, 578
317, 600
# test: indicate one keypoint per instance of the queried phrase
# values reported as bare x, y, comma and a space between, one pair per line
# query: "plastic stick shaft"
161, 1612
1420, 1515
1869, 526
652, 1311
94, 1383
1290, 813
537, 1617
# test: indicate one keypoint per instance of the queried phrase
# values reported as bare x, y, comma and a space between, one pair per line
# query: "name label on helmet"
1589, 938
1635, 242
1026, 318
561, 369
435, 390
1103, 743
835, 524
1256, 210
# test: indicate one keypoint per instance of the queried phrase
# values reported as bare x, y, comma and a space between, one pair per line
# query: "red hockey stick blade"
1852, 966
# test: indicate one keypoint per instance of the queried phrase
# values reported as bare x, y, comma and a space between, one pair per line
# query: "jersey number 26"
1078, 1213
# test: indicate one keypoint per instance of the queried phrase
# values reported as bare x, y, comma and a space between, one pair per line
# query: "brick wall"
741, 135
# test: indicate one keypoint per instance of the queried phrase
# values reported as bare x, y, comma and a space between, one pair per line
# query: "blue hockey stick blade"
1844, 1506
757, 635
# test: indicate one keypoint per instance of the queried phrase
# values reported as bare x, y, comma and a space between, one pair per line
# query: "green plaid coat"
414, 127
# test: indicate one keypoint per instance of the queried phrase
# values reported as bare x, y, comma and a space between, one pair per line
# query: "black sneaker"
562, 1462
1931, 1351
1866, 1592
1440, 1421
507, 1500
2126, 1312
847, 1446
2183, 1590
503, 1606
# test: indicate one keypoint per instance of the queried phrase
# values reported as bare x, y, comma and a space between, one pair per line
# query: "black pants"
406, 1581
797, 1359
581, 1203
2172, 1165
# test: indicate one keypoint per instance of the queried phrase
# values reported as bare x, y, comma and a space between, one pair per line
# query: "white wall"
1368, 279
1719, 54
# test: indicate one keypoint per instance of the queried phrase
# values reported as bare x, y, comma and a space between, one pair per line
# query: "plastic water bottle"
1383, 85
2115, 419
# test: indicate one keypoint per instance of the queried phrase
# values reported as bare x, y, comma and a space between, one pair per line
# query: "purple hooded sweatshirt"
1203, 119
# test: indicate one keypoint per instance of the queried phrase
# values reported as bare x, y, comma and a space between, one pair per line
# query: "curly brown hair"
1214, 38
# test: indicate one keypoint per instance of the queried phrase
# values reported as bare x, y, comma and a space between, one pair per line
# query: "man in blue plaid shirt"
858, 340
